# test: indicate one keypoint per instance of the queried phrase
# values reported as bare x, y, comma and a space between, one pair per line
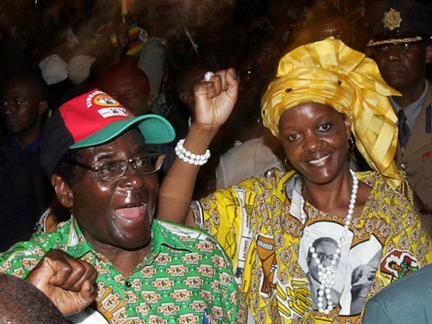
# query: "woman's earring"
351, 144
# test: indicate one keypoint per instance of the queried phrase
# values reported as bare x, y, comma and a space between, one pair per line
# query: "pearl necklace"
326, 274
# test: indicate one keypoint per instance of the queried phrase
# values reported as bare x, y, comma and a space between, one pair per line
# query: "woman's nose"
312, 143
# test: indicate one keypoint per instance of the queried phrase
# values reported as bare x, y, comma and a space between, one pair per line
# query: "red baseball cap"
92, 119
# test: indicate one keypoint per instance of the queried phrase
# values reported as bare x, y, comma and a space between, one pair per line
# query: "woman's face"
315, 138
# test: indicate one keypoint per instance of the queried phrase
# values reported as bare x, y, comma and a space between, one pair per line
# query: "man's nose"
394, 53
132, 177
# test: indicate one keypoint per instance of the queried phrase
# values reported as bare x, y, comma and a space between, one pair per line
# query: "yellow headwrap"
331, 73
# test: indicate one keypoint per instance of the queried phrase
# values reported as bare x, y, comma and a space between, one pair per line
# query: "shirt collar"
171, 235
77, 245
162, 234
412, 112
33, 146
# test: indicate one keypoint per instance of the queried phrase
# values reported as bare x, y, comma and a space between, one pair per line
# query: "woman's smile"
320, 161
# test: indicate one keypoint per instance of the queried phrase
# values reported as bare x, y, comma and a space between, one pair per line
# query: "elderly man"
147, 270
402, 47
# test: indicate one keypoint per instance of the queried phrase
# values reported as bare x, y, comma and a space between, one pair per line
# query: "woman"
314, 244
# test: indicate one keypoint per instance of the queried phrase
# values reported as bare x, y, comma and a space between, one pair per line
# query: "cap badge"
105, 100
392, 19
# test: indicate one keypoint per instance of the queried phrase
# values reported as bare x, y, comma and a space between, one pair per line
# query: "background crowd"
148, 55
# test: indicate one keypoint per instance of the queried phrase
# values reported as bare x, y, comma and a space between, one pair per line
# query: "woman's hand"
214, 102
215, 99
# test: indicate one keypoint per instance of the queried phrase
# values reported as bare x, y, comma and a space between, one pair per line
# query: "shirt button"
403, 166
128, 284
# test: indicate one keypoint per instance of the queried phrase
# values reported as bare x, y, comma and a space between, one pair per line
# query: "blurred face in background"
130, 87
22, 108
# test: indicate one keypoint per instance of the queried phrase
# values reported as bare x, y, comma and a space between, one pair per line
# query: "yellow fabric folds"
331, 73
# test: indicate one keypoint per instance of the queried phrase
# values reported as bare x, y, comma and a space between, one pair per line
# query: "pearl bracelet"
188, 156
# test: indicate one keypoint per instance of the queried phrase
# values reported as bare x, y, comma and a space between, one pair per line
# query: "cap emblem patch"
392, 19
105, 100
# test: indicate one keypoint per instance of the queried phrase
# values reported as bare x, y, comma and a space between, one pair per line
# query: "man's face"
131, 89
116, 214
325, 253
336, 27
403, 65
20, 107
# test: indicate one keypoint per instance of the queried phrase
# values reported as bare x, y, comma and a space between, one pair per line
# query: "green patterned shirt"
185, 276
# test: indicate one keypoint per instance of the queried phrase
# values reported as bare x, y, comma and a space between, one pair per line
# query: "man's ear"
428, 54
42, 107
63, 191
187, 98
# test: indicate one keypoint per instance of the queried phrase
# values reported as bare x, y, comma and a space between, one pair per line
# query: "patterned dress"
185, 277
252, 221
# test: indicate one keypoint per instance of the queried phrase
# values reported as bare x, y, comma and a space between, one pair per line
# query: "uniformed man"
402, 47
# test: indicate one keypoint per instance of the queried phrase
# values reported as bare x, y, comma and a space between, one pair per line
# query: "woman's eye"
324, 127
293, 137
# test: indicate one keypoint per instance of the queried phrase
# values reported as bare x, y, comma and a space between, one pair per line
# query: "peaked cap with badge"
399, 21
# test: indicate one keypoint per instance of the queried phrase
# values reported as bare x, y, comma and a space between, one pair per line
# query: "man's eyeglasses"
113, 170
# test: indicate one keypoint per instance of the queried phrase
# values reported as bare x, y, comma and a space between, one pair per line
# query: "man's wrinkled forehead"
105, 151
